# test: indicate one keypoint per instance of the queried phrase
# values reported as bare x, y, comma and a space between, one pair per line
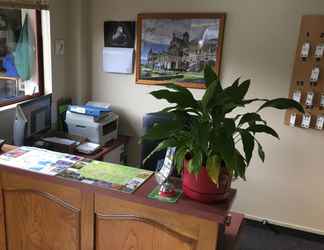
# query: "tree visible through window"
20, 53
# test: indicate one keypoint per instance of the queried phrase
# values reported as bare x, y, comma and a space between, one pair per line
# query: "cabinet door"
2, 224
42, 215
129, 232
123, 225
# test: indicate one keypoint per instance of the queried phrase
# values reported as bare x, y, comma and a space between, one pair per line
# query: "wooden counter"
39, 212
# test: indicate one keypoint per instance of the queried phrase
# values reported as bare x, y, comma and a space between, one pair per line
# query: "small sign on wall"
59, 47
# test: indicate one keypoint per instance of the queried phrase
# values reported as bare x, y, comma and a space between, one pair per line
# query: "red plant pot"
201, 188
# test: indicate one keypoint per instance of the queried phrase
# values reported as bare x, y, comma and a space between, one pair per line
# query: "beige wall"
78, 49
260, 42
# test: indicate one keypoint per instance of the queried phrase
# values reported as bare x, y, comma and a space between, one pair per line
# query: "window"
21, 55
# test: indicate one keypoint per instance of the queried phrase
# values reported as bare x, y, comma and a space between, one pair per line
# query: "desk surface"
121, 140
214, 212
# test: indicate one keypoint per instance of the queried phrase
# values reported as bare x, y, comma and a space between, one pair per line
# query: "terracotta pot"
201, 188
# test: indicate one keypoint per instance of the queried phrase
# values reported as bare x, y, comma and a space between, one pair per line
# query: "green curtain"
24, 53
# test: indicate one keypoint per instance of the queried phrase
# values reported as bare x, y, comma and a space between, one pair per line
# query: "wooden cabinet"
40, 215
39, 212
141, 227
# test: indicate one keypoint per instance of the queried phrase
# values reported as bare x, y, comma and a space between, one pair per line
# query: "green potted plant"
213, 143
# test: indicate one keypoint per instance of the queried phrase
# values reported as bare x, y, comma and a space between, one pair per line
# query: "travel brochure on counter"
103, 174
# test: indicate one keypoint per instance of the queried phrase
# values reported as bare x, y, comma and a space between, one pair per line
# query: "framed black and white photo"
119, 34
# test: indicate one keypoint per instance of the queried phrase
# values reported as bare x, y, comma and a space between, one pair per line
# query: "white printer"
100, 132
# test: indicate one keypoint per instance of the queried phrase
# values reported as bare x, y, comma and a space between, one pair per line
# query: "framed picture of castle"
175, 48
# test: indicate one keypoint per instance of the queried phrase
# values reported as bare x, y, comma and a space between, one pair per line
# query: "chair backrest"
147, 146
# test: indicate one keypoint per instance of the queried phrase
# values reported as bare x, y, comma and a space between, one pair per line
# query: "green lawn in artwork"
172, 76
112, 173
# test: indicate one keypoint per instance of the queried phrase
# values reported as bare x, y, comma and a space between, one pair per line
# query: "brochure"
38, 160
107, 175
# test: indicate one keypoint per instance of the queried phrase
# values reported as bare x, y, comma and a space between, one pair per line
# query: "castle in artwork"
183, 54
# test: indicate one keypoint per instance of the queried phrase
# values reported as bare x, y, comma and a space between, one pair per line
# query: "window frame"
40, 63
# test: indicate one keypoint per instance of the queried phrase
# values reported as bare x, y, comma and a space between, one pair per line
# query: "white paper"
118, 60
306, 121
319, 51
320, 122
88, 147
322, 101
305, 50
292, 121
58, 140
297, 96
309, 99
315, 74
99, 104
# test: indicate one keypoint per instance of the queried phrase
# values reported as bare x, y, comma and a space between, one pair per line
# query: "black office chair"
156, 161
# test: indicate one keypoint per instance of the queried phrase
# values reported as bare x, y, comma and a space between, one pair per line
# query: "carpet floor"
256, 236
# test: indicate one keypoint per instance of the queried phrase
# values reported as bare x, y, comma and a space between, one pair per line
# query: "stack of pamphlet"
107, 175
38, 160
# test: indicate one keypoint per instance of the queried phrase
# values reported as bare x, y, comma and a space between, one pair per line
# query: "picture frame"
174, 48
119, 34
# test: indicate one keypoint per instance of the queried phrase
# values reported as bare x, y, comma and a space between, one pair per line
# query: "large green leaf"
195, 163
162, 130
229, 126
231, 97
201, 131
237, 93
249, 101
261, 152
263, 129
209, 96
223, 143
251, 118
243, 89
210, 77
180, 157
282, 103
238, 165
183, 98
236, 83
169, 143
187, 93
213, 166
248, 144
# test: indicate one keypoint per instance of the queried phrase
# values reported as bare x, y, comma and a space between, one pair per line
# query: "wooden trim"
87, 222
220, 237
4, 220
23, 5
140, 17
123, 217
40, 53
40, 63
46, 196
18, 99
9, 78
3, 239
